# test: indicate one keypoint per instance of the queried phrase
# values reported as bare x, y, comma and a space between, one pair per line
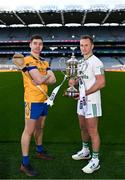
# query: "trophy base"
71, 92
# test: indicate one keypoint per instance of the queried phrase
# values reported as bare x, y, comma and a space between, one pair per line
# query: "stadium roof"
96, 14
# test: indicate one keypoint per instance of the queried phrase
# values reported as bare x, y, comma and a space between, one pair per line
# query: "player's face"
86, 46
36, 46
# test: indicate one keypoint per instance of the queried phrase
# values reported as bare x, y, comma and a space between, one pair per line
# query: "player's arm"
18, 60
51, 79
99, 84
37, 77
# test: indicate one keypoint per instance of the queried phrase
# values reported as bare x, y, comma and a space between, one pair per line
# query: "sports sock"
85, 145
25, 160
39, 148
95, 155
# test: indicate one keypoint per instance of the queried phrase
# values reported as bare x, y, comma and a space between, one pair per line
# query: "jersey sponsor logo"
84, 101
85, 76
81, 105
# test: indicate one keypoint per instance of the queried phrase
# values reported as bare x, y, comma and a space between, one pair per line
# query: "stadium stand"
59, 41
110, 62
122, 59
100, 33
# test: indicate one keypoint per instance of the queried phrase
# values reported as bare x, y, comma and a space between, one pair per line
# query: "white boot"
92, 166
83, 154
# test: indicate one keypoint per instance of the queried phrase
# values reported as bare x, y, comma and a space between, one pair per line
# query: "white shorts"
90, 111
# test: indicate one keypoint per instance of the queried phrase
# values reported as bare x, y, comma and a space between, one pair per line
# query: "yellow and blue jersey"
31, 92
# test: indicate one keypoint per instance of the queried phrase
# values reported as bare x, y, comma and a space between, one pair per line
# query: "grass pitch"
62, 135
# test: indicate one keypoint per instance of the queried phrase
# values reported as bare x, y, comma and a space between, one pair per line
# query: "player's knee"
92, 131
82, 128
39, 129
28, 132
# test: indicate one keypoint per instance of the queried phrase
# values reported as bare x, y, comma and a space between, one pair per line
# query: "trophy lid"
72, 61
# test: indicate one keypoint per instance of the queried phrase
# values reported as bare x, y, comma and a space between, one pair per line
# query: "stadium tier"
99, 33
63, 41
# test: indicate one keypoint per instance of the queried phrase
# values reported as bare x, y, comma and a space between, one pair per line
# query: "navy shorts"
35, 110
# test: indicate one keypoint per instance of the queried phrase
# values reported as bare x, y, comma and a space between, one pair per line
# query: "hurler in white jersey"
91, 80
90, 67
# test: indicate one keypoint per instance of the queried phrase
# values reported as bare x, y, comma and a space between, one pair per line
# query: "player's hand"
72, 82
49, 73
76, 96
51, 77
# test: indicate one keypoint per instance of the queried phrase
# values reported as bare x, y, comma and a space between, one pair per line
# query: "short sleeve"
98, 67
30, 63
47, 66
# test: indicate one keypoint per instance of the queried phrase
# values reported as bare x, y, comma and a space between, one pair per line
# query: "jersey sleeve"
47, 66
30, 63
98, 67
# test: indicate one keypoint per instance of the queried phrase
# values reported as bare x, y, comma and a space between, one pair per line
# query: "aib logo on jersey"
85, 76
81, 105
84, 101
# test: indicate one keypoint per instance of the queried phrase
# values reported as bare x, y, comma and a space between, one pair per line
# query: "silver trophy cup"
71, 72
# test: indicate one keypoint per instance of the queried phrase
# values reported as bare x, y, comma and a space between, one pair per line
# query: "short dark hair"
87, 37
36, 36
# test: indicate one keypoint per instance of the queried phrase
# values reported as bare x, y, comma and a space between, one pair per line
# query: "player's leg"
93, 165
38, 133
83, 129
92, 127
84, 153
25, 142
26, 136
39, 128
41, 110
30, 124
